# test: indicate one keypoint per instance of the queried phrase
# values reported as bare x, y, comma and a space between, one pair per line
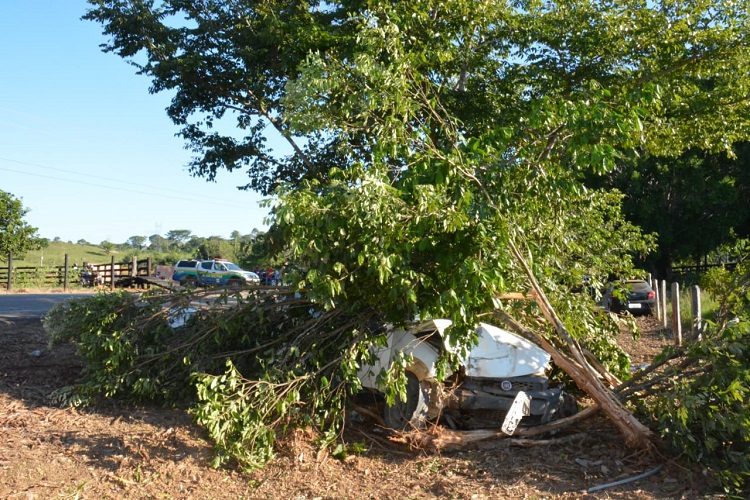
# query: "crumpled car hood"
501, 354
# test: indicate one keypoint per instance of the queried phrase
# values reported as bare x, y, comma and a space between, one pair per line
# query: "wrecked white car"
501, 382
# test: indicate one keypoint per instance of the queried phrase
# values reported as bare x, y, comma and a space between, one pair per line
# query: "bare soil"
151, 452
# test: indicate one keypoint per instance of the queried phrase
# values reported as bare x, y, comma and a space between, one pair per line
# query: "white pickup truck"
220, 272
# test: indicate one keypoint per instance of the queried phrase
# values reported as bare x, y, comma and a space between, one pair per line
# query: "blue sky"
91, 154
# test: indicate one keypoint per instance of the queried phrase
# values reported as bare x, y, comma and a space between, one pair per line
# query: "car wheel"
235, 283
190, 282
568, 405
409, 414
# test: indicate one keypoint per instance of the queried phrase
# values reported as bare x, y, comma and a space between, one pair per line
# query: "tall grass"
709, 306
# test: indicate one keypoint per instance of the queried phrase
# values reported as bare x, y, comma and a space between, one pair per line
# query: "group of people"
88, 276
268, 276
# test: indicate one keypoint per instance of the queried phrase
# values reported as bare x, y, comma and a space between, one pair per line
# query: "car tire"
190, 282
568, 405
409, 414
235, 283
615, 307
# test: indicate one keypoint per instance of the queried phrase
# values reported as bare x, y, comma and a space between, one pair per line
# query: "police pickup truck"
216, 272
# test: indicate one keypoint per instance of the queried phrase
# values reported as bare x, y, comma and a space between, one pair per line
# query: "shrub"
257, 365
124, 341
698, 395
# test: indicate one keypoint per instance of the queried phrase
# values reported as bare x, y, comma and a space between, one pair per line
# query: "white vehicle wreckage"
501, 382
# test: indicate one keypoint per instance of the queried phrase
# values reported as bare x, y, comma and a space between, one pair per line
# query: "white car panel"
499, 354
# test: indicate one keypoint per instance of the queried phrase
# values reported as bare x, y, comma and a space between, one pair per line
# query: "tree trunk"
636, 434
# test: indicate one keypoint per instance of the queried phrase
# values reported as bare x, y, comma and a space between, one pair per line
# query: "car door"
207, 274
222, 273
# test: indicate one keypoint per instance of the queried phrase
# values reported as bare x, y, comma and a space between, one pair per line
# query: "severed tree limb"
594, 362
556, 425
636, 434
438, 439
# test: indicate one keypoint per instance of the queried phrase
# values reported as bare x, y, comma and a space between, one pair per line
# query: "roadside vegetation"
247, 251
448, 161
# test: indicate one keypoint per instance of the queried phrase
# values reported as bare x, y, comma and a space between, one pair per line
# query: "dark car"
635, 296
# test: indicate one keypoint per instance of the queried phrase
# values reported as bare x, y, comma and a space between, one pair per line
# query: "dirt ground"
150, 452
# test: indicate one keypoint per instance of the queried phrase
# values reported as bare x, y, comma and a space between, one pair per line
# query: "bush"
124, 341
254, 365
702, 410
698, 395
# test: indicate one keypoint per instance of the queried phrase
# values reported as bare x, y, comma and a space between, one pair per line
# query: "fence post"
112, 274
10, 271
65, 274
655, 287
648, 280
696, 326
134, 267
663, 294
676, 323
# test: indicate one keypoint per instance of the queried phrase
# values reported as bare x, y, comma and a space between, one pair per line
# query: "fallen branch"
594, 362
438, 439
636, 434
624, 481
556, 425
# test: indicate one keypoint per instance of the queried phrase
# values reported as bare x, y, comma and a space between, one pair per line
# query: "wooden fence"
112, 274
701, 268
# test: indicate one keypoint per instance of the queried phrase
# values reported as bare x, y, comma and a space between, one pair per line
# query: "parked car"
502, 381
635, 296
212, 272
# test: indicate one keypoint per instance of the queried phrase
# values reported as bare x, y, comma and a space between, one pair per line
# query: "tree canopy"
16, 235
696, 202
435, 152
468, 107
437, 148
676, 72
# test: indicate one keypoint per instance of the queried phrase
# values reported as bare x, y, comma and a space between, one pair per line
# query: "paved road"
32, 304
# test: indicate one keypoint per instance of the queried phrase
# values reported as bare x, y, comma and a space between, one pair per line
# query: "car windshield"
638, 286
232, 267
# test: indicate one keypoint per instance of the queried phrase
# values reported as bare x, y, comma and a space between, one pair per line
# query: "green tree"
137, 242
438, 149
236, 237
157, 242
107, 246
214, 247
178, 237
696, 202
16, 235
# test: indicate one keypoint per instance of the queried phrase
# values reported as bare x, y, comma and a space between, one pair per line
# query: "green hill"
54, 255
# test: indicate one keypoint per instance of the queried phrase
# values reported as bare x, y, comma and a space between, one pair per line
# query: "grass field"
48, 261
54, 255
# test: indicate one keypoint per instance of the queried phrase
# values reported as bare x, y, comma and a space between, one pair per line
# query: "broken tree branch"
636, 434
